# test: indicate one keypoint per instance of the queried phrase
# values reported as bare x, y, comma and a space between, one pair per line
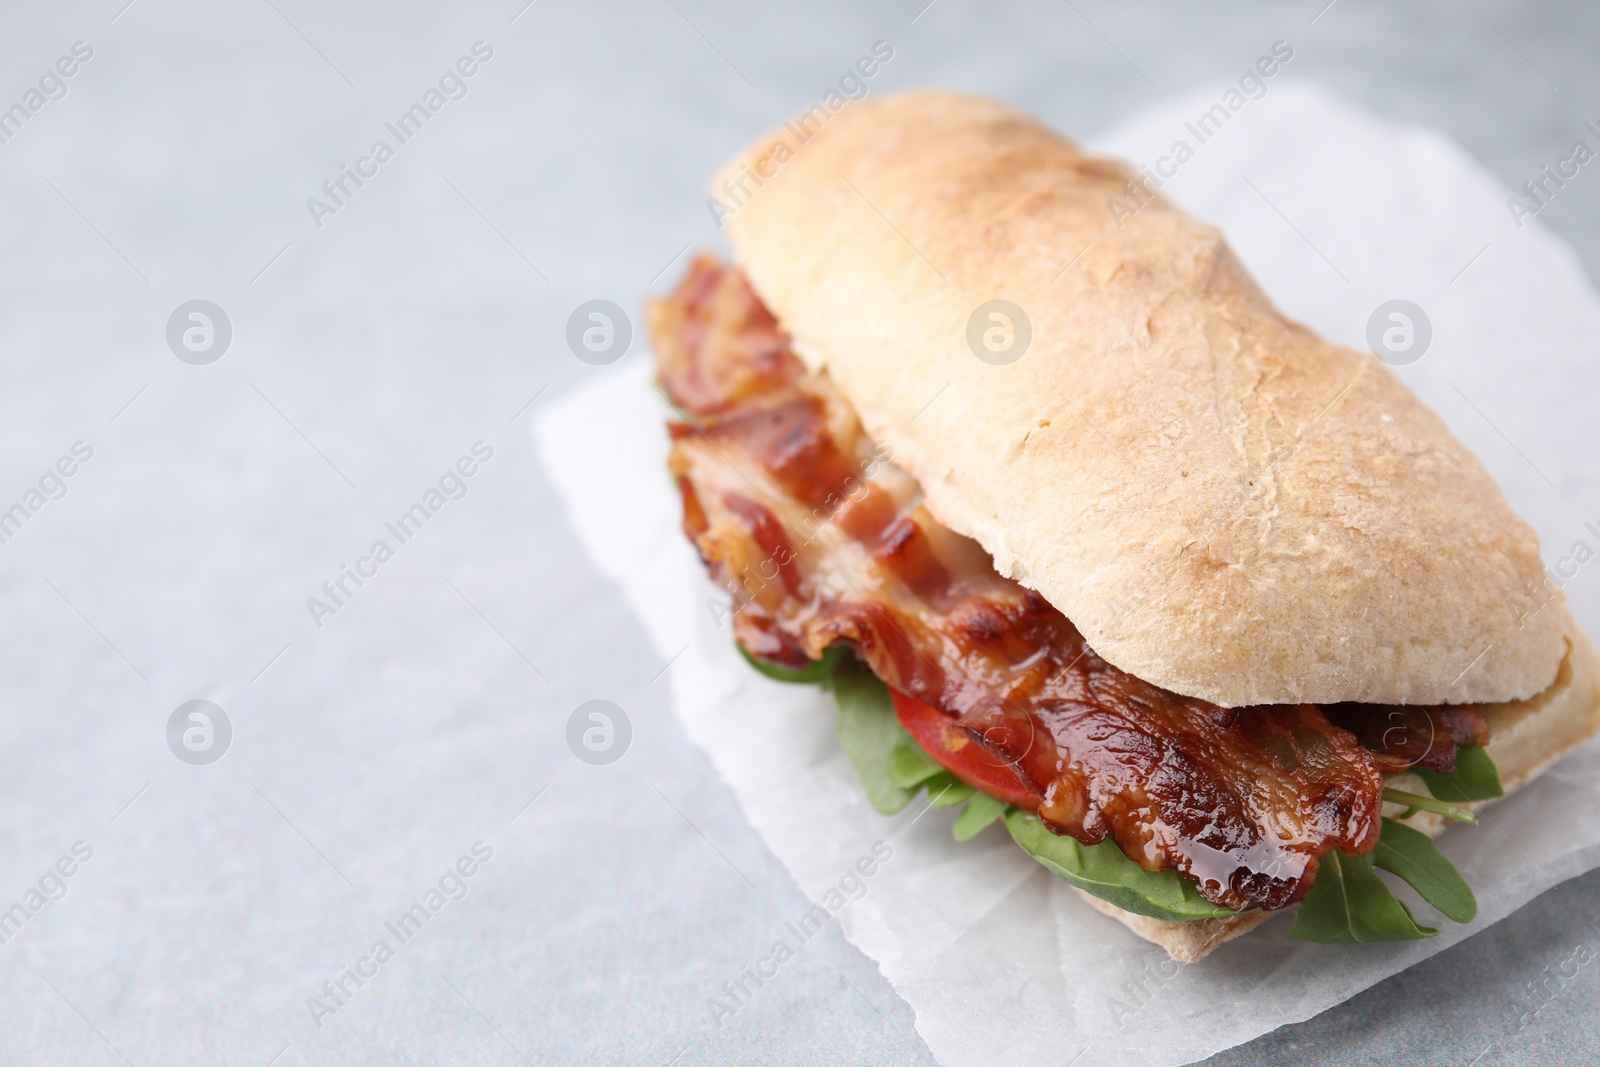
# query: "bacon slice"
1402, 736
821, 540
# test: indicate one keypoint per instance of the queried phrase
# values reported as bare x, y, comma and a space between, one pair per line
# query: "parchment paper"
1335, 212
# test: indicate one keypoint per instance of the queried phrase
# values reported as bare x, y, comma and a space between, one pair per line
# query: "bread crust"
1225, 504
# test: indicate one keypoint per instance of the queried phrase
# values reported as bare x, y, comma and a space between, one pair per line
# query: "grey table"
374, 340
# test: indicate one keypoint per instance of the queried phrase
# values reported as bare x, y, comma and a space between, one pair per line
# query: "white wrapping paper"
1335, 212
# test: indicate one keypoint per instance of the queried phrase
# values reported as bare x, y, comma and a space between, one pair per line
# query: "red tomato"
965, 758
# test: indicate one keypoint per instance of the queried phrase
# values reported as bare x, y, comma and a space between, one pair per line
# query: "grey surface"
363, 362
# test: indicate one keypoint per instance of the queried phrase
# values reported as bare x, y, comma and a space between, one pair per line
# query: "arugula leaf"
982, 810
893, 768
870, 734
945, 790
818, 673
1416, 802
1106, 873
1475, 777
909, 766
1413, 856
1349, 904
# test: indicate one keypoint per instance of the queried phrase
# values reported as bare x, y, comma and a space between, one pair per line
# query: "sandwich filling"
823, 541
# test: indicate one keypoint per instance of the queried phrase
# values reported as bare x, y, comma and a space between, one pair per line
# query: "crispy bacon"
822, 540
1402, 736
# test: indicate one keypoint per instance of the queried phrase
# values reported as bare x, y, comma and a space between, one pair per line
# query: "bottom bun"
1525, 737
1186, 942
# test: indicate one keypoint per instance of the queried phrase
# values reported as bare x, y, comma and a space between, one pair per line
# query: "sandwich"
1215, 618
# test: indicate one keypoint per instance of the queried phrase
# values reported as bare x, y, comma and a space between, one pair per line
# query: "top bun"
1225, 504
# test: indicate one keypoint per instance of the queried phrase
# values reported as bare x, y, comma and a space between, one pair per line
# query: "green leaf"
1416, 802
869, 733
945, 790
1106, 873
909, 766
1475, 777
1349, 904
978, 814
1413, 856
818, 673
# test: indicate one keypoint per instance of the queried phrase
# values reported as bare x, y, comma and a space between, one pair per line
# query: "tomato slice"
968, 760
